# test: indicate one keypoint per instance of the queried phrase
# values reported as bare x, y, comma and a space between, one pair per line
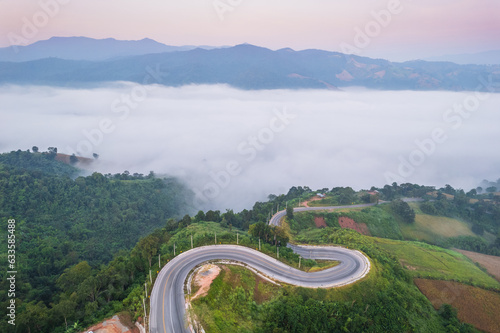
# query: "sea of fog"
235, 147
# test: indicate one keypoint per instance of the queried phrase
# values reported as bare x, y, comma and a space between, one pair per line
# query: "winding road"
275, 220
168, 306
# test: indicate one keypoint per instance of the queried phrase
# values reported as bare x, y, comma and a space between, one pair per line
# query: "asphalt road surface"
167, 312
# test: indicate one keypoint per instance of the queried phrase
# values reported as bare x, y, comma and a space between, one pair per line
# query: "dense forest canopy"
63, 219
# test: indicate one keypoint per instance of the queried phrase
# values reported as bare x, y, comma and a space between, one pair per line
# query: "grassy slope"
433, 229
429, 261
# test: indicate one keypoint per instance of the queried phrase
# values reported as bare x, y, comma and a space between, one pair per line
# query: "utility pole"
144, 305
146, 288
150, 277
191, 240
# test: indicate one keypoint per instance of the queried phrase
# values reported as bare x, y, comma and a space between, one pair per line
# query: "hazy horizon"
235, 147
395, 30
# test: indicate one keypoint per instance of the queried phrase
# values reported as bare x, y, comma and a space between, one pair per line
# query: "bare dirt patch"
347, 222
320, 222
491, 263
475, 306
316, 198
203, 279
117, 324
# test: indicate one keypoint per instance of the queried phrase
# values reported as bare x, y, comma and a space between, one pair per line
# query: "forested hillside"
82, 221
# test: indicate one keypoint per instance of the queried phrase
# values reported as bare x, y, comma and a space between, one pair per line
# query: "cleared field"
475, 306
427, 261
434, 228
491, 263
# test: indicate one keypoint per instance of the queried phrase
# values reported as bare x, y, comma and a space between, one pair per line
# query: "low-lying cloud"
235, 147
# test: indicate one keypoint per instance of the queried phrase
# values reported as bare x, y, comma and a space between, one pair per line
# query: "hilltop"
81, 62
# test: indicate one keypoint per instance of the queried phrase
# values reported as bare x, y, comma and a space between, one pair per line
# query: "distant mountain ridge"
247, 66
482, 58
84, 48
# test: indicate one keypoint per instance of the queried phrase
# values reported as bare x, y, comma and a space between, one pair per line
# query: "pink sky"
415, 29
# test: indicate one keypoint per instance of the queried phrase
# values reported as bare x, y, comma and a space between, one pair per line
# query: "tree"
34, 149
404, 210
280, 235
73, 159
96, 156
491, 189
148, 246
186, 220
213, 216
200, 216
231, 218
73, 276
289, 213
171, 224
34, 318
472, 193
448, 189
65, 308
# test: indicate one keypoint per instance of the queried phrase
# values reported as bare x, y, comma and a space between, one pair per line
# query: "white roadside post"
145, 315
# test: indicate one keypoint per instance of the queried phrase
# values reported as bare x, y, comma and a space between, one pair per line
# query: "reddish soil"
306, 203
320, 222
475, 306
346, 222
204, 278
491, 263
114, 325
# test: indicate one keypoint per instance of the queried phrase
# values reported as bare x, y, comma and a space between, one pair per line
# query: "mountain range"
79, 61
84, 48
482, 58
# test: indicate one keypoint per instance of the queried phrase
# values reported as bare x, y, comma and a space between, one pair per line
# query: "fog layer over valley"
235, 147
